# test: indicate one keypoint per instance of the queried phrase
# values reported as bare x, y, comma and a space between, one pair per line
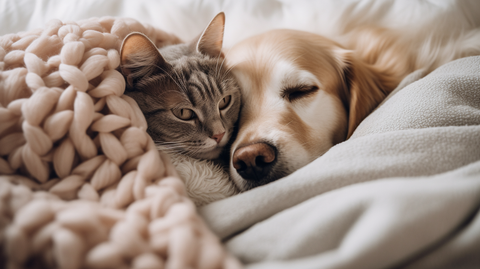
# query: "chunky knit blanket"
81, 183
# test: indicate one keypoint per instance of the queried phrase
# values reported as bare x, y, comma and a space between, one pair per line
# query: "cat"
190, 100
191, 103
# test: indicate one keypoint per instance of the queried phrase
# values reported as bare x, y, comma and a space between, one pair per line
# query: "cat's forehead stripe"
216, 85
204, 81
209, 86
194, 86
190, 94
191, 98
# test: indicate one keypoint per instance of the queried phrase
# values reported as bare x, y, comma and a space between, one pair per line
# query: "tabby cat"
190, 100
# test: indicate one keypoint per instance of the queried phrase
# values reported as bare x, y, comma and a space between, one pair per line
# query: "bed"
402, 192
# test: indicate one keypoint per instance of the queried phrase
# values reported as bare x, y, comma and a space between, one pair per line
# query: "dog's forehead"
272, 75
273, 61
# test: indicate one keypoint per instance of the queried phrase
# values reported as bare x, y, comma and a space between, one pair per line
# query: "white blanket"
420, 150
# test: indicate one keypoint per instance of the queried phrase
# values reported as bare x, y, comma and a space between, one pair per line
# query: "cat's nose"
254, 162
218, 137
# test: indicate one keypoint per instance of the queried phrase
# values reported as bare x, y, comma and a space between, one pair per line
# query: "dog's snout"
253, 162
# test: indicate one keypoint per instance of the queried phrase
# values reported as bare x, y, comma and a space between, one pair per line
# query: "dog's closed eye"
298, 92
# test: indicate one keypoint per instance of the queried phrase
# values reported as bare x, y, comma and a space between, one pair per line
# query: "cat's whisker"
217, 70
179, 143
190, 150
181, 147
221, 65
169, 146
176, 141
176, 152
185, 88
173, 145
179, 86
224, 58
228, 71
164, 142
175, 148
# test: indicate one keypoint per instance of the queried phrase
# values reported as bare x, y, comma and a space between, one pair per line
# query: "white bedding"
420, 149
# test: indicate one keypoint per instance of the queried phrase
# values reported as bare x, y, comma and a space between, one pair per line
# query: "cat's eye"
224, 102
184, 113
296, 93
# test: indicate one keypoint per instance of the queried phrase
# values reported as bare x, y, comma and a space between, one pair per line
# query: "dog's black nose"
254, 162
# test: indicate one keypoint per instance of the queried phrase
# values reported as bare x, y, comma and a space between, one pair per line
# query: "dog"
303, 93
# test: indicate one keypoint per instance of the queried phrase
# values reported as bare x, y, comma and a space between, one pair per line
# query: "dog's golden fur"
334, 88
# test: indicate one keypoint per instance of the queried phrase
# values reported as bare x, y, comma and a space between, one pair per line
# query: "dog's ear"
139, 57
364, 88
211, 40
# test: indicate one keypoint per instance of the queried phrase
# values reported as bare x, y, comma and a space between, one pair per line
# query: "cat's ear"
139, 57
211, 40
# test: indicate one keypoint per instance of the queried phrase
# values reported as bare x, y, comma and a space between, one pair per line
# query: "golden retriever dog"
303, 93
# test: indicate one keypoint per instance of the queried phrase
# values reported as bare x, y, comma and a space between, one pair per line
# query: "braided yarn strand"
81, 182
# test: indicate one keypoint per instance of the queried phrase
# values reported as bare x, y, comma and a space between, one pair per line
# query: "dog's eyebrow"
298, 91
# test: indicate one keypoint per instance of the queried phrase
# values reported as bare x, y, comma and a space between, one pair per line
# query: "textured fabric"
421, 149
82, 185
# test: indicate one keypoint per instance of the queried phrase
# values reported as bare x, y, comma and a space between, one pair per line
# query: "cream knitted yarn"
81, 183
